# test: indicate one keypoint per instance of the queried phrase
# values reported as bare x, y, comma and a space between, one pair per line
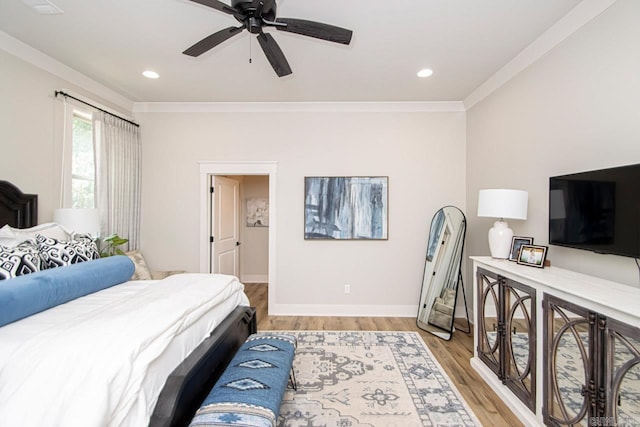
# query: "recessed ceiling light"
425, 72
43, 7
151, 74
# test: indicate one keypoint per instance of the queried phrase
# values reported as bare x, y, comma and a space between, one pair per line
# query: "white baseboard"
254, 278
343, 310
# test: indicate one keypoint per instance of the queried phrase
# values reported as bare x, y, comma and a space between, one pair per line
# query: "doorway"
254, 229
229, 170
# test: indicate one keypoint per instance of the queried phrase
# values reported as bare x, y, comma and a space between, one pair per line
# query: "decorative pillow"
10, 236
7, 237
18, 260
33, 293
142, 270
57, 253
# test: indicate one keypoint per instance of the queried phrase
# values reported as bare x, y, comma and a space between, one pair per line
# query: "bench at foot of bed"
250, 390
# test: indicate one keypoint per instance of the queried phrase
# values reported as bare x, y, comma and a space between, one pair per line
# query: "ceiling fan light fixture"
150, 74
425, 72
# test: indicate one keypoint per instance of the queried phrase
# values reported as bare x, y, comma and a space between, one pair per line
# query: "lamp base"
500, 236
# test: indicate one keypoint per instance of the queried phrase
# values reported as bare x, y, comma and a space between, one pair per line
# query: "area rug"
352, 379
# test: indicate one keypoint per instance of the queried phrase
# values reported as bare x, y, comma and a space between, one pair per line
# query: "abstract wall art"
346, 208
257, 212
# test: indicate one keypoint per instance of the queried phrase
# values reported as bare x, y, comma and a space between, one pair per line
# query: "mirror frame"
453, 265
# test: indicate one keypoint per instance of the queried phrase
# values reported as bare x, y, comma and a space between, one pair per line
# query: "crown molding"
38, 59
579, 16
298, 107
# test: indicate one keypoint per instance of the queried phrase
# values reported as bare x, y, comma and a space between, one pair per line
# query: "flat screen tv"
598, 211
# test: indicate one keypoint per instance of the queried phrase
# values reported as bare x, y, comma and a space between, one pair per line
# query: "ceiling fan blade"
315, 29
212, 41
274, 54
218, 5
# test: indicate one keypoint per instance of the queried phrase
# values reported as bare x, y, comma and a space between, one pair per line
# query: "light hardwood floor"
453, 355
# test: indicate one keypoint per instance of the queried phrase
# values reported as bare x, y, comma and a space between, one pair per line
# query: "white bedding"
102, 360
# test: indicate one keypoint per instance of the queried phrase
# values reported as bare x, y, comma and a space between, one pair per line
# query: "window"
83, 169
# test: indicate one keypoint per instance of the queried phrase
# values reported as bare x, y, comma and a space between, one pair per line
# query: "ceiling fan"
254, 15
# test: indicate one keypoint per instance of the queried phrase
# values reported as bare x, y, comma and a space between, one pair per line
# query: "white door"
225, 210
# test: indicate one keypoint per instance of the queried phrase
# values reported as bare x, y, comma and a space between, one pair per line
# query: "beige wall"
422, 153
575, 109
28, 153
30, 130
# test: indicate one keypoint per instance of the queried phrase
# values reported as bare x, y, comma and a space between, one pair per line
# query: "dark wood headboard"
17, 209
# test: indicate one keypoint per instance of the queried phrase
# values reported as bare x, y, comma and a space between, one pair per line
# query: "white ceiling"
112, 41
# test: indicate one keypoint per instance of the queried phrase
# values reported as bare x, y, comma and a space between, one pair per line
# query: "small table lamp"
502, 204
79, 220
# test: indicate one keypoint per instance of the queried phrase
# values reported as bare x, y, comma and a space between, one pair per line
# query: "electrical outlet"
347, 289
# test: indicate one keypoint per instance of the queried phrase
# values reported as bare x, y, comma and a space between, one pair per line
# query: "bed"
137, 353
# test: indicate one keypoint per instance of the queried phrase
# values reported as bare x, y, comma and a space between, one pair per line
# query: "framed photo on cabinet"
532, 255
516, 244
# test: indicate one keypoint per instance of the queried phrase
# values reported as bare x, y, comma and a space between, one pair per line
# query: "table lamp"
500, 203
79, 220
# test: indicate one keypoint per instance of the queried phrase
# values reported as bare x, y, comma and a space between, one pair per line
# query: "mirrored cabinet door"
507, 333
569, 370
623, 373
520, 341
490, 319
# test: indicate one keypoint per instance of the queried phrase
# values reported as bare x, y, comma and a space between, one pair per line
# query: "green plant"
110, 245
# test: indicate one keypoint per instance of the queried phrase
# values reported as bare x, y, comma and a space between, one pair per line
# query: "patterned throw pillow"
142, 271
20, 259
10, 236
57, 253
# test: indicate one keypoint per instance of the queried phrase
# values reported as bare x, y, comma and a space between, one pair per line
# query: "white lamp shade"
503, 203
78, 220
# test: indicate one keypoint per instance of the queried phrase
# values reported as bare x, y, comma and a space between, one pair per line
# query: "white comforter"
102, 360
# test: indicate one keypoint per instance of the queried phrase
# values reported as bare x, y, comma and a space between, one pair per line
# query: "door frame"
209, 168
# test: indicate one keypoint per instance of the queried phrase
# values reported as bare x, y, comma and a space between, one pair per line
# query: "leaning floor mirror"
442, 275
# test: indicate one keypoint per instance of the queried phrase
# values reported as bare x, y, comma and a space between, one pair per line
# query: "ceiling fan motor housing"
254, 25
246, 8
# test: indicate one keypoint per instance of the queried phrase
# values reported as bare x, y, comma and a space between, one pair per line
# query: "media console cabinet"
559, 347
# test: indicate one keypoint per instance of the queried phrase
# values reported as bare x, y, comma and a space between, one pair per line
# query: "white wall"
575, 109
254, 251
30, 130
422, 153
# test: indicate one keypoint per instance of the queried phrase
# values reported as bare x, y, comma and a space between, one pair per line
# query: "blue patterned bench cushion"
250, 390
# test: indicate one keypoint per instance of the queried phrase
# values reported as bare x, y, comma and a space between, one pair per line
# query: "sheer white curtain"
118, 176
